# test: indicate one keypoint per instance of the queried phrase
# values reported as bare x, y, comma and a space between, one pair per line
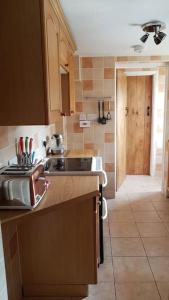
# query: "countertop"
61, 190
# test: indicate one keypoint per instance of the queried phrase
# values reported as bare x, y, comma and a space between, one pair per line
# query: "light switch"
84, 123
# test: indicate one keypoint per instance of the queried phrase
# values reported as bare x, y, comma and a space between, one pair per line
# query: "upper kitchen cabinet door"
52, 62
64, 50
22, 75
72, 83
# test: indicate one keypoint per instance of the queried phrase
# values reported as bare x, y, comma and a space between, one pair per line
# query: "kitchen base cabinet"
51, 252
58, 250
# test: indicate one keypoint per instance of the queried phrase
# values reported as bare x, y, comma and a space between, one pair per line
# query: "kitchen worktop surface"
61, 190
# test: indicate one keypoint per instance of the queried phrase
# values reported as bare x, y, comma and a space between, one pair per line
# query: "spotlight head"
161, 35
156, 39
144, 37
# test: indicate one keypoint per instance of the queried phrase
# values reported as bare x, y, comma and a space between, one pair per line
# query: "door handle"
148, 110
127, 110
104, 217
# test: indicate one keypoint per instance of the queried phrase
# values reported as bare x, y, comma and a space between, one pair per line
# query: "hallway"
136, 238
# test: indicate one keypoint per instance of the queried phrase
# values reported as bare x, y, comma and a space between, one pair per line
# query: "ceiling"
105, 27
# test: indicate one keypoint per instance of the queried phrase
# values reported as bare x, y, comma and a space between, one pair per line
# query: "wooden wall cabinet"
30, 89
67, 77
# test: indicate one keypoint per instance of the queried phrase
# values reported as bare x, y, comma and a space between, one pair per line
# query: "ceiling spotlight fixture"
137, 48
156, 27
144, 37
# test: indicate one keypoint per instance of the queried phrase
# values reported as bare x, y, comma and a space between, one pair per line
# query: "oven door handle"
105, 178
104, 217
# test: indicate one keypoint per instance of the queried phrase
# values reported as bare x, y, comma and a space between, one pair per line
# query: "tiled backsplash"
95, 77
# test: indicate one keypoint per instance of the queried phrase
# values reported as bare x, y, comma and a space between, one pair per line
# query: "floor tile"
128, 229
127, 247
142, 206
120, 216
105, 271
151, 216
107, 247
101, 291
144, 197
152, 230
119, 204
161, 205
132, 269
160, 268
137, 291
163, 288
164, 215
167, 226
156, 246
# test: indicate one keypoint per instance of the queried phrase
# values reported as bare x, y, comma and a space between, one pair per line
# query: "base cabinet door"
59, 249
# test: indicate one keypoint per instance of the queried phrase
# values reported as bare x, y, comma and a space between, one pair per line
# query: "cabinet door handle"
148, 110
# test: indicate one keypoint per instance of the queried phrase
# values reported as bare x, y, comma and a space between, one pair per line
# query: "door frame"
154, 73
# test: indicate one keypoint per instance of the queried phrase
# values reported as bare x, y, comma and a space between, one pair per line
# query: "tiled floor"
136, 237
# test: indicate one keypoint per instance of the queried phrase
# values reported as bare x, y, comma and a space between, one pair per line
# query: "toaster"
22, 188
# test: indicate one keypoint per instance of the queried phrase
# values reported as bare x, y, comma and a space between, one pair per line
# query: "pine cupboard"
30, 79
52, 251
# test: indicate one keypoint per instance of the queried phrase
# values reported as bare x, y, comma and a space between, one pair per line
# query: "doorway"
139, 116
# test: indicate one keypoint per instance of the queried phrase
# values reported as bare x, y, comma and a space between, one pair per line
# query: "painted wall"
97, 79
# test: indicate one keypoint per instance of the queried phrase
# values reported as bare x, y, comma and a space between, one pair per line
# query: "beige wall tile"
89, 146
162, 71
87, 85
98, 62
109, 73
98, 85
88, 135
87, 73
109, 61
90, 107
108, 137
109, 167
157, 58
77, 128
87, 62
79, 106
78, 91
98, 73
109, 153
122, 58
109, 84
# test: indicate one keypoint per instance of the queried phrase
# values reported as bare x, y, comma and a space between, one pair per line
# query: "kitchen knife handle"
30, 145
21, 144
26, 144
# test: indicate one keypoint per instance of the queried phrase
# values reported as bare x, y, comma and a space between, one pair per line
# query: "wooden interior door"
139, 103
121, 127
